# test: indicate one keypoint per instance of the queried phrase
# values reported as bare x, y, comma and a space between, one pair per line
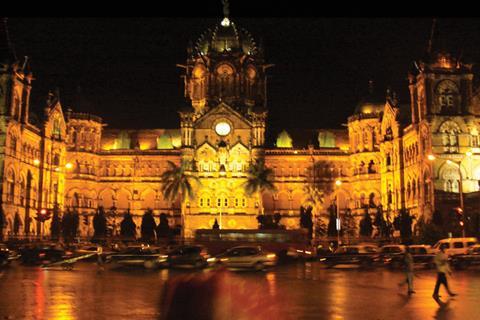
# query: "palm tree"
177, 183
314, 198
259, 180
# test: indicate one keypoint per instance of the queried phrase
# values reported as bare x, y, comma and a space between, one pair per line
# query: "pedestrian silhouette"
441, 263
408, 265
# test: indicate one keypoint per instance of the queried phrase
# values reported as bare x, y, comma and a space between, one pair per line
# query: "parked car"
188, 255
245, 257
362, 255
138, 256
462, 261
455, 246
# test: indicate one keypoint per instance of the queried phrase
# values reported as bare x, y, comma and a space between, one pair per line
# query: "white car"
245, 257
455, 246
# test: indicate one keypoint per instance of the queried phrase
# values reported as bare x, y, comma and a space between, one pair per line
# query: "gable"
239, 151
206, 152
55, 121
389, 120
222, 111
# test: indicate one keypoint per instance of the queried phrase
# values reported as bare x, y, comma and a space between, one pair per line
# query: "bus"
282, 242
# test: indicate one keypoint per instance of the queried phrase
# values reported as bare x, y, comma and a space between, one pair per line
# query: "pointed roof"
441, 52
372, 102
7, 51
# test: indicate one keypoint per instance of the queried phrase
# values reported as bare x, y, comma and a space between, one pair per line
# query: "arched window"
56, 132
450, 131
11, 187
13, 145
22, 192
414, 190
389, 160
371, 167
408, 190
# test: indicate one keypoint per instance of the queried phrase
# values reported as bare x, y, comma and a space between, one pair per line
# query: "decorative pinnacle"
226, 10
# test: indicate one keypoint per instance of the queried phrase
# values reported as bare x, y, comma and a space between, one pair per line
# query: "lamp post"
338, 183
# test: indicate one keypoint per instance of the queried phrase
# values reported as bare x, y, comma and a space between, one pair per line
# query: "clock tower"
223, 125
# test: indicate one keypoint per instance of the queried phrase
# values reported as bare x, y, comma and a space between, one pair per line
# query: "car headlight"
271, 256
211, 259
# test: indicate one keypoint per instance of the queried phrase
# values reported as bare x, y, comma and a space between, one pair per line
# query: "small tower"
15, 80
225, 65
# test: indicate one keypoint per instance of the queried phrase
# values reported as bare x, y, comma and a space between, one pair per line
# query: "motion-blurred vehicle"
422, 255
463, 261
38, 254
304, 253
138, 256
7, 255
245, 257
455, 246
361, 255
390, 253
188, 255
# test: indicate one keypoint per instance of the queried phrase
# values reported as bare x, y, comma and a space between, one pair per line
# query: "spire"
226, 12
226, 9
430, 41
371, 86
7, 52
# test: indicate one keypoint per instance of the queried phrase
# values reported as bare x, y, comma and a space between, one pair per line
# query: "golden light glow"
69, 165
225, 22
57, 169
431, 157
222, 128
469, 153
338, 183
36, 162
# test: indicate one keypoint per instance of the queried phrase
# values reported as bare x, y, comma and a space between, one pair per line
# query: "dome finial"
226, 12
371, 86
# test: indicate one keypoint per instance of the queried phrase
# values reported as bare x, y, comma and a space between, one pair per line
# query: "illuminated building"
71, 159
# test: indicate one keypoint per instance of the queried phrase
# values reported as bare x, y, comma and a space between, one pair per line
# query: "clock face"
447, 87
222, 128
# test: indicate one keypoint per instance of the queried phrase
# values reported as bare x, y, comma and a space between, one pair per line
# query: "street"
298, 291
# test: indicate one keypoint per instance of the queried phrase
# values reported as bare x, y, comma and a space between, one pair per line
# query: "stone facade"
382, 157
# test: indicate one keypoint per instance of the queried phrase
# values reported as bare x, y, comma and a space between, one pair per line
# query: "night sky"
126, 68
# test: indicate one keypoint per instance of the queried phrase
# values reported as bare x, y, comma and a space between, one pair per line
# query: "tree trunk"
183, 208
260, 203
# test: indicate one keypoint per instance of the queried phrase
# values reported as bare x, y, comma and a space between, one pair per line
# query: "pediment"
222, 111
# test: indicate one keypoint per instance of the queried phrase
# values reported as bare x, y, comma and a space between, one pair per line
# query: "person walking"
441, 262
408, 265
100, 262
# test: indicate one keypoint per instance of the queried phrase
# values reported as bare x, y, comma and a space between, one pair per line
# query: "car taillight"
41, 255
204, 254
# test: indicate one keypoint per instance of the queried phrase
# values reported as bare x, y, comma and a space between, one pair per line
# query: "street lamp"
338, 183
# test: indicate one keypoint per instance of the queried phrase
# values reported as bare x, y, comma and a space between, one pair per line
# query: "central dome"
226, 37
